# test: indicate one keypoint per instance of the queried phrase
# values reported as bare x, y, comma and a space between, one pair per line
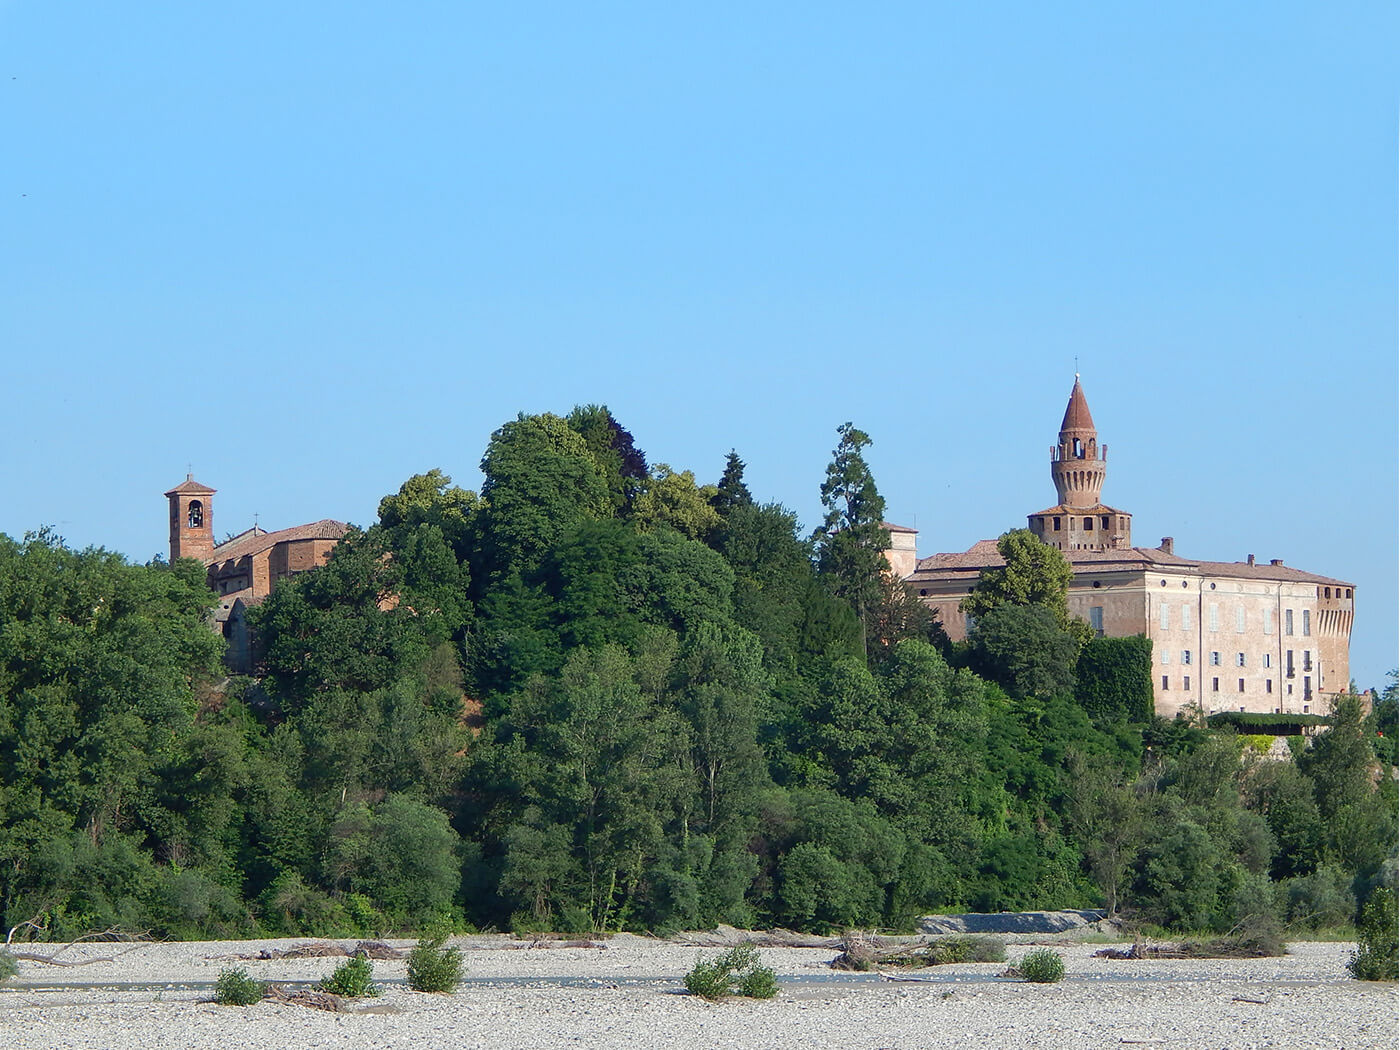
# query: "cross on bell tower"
191, 520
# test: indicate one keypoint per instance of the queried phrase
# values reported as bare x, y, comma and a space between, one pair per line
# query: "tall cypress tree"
851, 542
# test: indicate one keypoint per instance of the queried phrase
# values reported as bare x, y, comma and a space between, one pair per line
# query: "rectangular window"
1268, 621
1057, 524
1239, 660
1214, 658
1288, 664
1307, 622
1268, 659
1268, 685
1288, 622
1214, 617
1186, 656
1307, 687
1215, 685
1166, 617
1164, 683
1186, 682
1307, 659
1186, 617
1166, 657
1242, 685
1096, 619
1239, 620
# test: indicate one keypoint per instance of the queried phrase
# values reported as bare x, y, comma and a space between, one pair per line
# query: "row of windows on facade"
1215, 686
1104, 525
1213, 619
1241, 660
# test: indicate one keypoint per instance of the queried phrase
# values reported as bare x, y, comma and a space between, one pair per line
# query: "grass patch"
235, 988
736, 972
353, 979
1042, 966
433, 968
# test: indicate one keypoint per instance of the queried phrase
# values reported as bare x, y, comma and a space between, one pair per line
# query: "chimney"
1250, 560
1168, 545
1275, 561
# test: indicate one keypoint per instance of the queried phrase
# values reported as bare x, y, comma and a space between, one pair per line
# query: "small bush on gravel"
1377, 955
431, 967
353, 979
736, 972
1042, 966
9, 966
236, 988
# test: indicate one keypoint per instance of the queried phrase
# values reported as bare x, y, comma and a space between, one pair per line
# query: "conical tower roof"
1077, 415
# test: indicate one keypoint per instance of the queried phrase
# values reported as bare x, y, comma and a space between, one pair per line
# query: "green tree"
851, 542
1025, 648
672, 498
731, 492
1032, 573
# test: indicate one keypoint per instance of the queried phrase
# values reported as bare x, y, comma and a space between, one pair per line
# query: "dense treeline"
600, 695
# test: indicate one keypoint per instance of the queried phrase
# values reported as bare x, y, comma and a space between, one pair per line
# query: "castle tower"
1078, 464
1080, 521
191, 520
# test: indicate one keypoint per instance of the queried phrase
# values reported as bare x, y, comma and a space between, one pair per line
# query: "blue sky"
314, 248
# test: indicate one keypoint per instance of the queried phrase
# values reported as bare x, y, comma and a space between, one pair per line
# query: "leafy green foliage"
235, 988
1114, 678
1375, 958
353, 979
738, 971
1024, 648
1033, 573
1042, 966
433, 967
851, 542
1246, 721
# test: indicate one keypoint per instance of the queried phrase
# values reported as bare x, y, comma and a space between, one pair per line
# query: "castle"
1226, 636
244, 568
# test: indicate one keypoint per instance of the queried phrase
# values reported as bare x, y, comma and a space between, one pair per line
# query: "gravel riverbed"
629, 994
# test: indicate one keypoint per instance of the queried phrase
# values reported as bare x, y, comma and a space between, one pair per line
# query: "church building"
244, 568
1226, 636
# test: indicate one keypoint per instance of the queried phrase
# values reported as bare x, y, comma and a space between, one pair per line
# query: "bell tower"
191, 520
1077, 463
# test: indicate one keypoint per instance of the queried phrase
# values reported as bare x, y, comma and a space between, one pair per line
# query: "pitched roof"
890, 526
984, 555
255, 540
190, 487
1060, 508
1077, 411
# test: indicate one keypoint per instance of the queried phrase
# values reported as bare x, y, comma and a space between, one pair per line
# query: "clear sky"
313, 248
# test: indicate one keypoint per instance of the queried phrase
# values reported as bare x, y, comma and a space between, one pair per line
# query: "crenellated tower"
1080, 520
1077, 463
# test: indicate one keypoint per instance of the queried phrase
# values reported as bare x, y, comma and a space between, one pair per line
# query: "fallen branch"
316, 950
111, 933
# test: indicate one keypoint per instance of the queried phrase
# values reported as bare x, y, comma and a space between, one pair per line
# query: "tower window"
1327, 591
196, 515
1103, 521
1088, 524
1057, 524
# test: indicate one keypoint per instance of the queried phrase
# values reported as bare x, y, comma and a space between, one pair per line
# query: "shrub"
736, 972
431, 967
236, 988
1042, 966
1375, 958
353, 979
9, 966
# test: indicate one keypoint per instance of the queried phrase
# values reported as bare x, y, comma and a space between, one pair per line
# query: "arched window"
196, 518
1088, 524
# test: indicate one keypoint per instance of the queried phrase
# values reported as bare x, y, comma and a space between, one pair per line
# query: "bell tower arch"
191, 520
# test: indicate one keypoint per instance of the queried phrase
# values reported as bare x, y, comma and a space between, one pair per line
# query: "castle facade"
1226, 636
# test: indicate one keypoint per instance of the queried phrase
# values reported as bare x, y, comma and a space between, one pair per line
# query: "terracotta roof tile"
190, 487
1077, 415
890, 526
255, 540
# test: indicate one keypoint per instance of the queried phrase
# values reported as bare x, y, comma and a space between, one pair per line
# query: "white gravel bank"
629, 995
